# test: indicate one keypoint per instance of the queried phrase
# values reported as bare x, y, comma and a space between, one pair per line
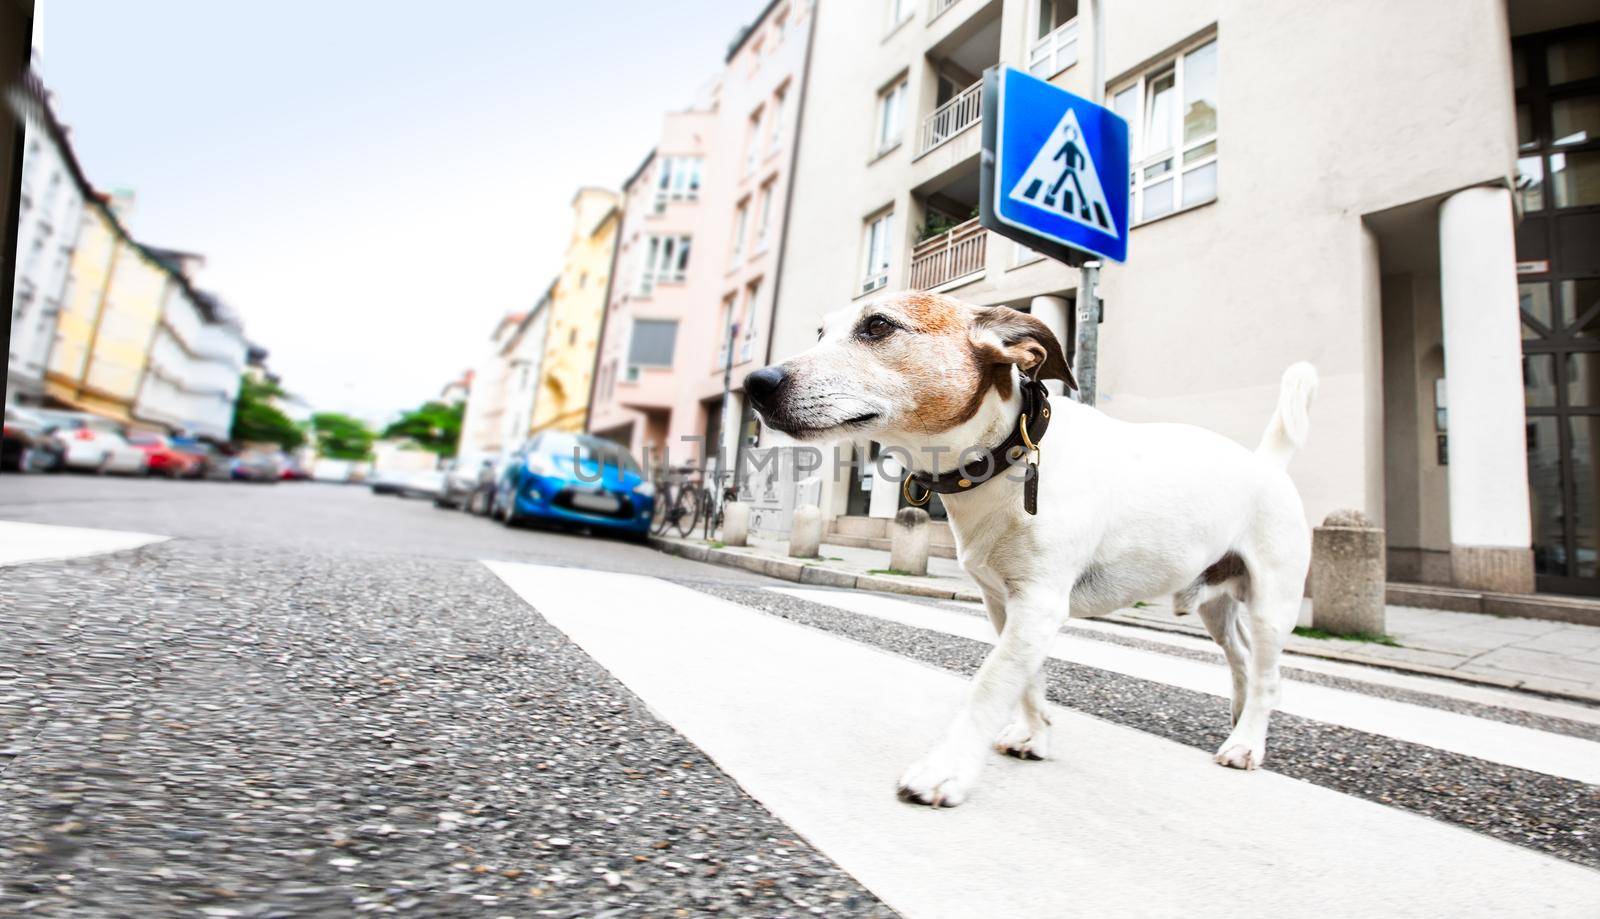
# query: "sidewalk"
1551, 658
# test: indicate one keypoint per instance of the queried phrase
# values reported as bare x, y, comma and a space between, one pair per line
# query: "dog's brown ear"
1003, 335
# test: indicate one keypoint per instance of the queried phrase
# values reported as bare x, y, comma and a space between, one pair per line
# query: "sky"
373, 183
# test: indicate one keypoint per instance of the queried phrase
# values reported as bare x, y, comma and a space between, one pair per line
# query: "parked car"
465, 479
93, 444
386, 482
575, 479
27, 446
255, 466
294, 471
210, 461
422, 485
163, 458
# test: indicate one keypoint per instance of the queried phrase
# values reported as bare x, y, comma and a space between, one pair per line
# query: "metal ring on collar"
905, 492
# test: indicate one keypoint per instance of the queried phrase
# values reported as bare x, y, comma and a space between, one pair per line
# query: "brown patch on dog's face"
913, 362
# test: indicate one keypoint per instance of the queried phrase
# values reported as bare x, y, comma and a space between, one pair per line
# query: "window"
875, 257
1172, 118
666, 261
764, 214
780, 27
1053, 43
752, 142
775, 129
678, 180
899, 12
741, 219
747, 324
891, 103
652, 342
727, 327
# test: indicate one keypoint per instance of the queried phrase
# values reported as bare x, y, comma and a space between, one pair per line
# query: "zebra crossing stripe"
817, 727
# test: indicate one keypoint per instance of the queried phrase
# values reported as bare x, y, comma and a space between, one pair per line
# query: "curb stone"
809, 573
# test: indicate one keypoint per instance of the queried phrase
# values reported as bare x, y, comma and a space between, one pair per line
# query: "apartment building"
197, 355
526, 352
51, 200
577, 301
483, 424
1405, 194
716, 188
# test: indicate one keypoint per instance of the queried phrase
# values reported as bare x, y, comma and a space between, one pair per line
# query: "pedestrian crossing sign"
1059, 173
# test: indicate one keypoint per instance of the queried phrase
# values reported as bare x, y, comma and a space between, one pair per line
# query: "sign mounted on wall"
1054, 169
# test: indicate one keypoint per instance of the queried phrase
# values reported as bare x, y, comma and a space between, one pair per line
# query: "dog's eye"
876, 327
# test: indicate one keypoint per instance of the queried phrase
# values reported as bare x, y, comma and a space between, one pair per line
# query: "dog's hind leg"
1028, 735
1268, 615
1221, 614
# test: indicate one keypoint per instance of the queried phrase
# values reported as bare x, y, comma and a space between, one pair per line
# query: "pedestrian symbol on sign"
1063, 179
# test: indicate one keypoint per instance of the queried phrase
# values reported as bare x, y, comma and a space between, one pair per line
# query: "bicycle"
714, 505
678, 502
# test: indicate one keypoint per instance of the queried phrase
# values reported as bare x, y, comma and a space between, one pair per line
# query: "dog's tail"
1290, 424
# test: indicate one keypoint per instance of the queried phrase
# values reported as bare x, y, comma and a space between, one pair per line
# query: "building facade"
483, 423
576, 303
679, 330
197, 355
108, 320
51, 197
525, 353
1377, 230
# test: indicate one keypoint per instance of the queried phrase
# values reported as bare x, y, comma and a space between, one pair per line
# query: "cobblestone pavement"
316, 701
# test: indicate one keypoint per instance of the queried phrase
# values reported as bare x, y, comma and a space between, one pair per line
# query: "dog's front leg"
946, 775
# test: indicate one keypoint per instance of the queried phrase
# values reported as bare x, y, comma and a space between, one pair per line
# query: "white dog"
1125, 512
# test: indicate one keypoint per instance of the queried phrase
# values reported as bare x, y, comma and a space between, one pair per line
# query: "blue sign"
1060, 167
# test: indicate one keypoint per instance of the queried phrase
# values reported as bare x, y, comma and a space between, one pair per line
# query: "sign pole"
1086, 344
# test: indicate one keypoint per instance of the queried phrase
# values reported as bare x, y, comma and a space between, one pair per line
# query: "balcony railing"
952, 118
1055, 52
939, 6
955, 253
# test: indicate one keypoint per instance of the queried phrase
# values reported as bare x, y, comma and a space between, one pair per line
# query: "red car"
165, 459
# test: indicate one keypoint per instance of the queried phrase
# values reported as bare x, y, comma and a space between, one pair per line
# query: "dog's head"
909, 362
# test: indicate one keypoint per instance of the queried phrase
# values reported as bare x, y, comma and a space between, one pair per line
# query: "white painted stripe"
818, 727
36, 542
1495, 741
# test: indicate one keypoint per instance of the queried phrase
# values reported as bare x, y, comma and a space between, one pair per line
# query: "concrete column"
1053, 311
736, 524
1490, 541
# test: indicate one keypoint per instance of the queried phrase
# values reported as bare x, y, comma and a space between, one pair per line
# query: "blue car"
577, 480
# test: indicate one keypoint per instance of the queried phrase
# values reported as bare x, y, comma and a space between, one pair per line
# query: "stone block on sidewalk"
805, 533
909, 537
736, 524
1347, 575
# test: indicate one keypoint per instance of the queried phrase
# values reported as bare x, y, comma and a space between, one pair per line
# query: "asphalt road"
315, 700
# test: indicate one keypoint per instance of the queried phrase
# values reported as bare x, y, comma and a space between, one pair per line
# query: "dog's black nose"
762, 384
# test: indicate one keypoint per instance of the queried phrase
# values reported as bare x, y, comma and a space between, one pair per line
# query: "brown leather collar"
1021, 446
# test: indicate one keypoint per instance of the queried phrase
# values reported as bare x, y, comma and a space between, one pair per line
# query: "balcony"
952, 118
955, 253
1055, 52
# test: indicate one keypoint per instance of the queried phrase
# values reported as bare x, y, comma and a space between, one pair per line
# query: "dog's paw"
1240, 756
939, 780
1024, 741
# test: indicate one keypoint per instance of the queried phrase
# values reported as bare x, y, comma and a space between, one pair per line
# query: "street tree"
257, 420
341, 436
435, 426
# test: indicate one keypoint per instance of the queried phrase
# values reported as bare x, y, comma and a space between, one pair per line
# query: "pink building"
697, 260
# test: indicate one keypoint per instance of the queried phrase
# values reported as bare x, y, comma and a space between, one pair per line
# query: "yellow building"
107, 321
577, 303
